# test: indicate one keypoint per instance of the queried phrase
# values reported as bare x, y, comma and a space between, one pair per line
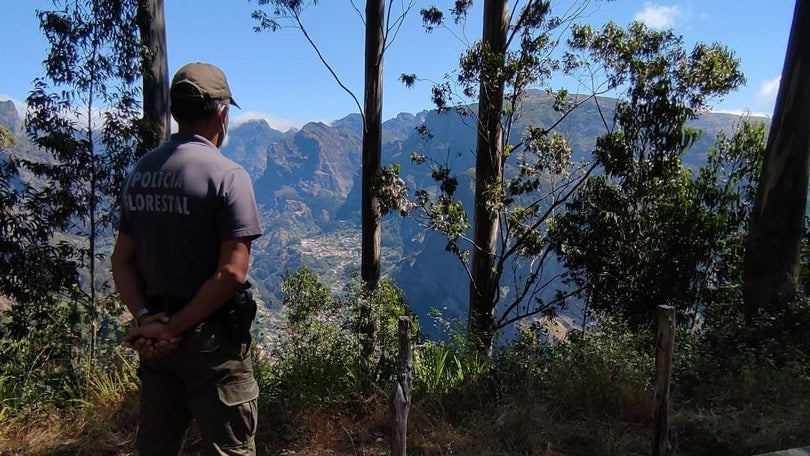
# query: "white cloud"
768, 90
743, 113
658, 16
274, 122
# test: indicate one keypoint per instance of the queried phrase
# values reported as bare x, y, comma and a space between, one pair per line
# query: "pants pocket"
228, 420
236, 393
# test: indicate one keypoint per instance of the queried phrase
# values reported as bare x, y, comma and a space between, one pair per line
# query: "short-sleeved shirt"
179, 203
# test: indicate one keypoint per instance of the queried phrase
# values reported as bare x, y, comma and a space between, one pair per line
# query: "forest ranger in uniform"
188, 216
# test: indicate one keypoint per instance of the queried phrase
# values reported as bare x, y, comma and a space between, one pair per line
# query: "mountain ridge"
307, 185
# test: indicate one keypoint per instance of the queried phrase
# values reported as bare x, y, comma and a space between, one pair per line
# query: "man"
188, 216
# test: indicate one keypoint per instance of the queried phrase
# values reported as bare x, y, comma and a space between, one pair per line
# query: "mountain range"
307, 185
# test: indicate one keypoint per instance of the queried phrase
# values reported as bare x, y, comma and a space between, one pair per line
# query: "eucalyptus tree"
521, 177
380, 29
157, 118
522, 185
82, 115
778, 219
644, 231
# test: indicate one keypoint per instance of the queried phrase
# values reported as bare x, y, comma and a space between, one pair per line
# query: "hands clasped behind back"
151, 338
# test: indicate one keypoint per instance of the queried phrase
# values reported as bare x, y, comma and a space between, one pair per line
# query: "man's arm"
234, 258
127, 278
130, 285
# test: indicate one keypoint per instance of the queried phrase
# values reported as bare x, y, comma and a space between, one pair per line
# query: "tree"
771, 272
512, 203
643, 231
34, 267
379, 28
488, 173
85, 127
372, 143
156, 116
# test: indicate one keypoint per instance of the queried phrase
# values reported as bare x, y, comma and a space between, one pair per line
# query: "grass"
739, 418
587, 395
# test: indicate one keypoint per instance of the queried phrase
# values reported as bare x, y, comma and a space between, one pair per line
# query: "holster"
238, 314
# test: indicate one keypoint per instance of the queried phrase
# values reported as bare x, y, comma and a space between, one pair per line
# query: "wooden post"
663, 373
401, 392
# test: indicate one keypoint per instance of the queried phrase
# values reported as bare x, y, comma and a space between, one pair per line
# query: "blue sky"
277, 75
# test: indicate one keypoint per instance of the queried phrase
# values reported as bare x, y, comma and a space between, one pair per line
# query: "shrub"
318, 358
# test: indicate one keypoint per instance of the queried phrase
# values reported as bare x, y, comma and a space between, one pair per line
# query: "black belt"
172, 305
236, 315
168, 304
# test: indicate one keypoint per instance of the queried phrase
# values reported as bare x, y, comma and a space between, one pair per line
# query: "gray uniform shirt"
180, 202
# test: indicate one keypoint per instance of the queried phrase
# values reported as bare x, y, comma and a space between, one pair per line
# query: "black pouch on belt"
238, 314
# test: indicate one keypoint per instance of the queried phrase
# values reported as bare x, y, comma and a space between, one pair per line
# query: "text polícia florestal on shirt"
137, 200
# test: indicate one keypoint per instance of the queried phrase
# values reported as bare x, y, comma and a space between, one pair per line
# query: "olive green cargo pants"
208, 378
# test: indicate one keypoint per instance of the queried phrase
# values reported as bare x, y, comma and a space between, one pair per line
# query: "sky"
279, 77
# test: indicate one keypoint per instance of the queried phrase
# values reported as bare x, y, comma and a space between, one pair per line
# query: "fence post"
665, 346
401, 392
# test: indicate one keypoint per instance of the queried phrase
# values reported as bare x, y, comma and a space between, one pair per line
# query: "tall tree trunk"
372, 142
488, 174
771, 269
157, 118
372, 153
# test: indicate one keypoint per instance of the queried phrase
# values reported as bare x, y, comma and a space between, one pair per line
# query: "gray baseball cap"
209, 81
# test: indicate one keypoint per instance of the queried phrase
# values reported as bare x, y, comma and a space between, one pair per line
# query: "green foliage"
86, 121
441, 369
742, 382
527, 60
7, 139
83, 115
727, 187
636, 205
736, 389
610, 371
774, 339
644, 231
34, 264
540, 177
282, 10
45, 369
604, 374
391, 190
318, 357
36, 371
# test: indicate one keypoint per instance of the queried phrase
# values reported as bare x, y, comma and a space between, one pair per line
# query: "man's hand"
161, 317
152, 338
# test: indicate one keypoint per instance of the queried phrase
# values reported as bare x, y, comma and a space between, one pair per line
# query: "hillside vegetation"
736, 391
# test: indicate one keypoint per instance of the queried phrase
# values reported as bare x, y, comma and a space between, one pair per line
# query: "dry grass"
582, 409
514, 427
87, 430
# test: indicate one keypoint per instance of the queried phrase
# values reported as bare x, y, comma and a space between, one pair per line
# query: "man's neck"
206, 130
